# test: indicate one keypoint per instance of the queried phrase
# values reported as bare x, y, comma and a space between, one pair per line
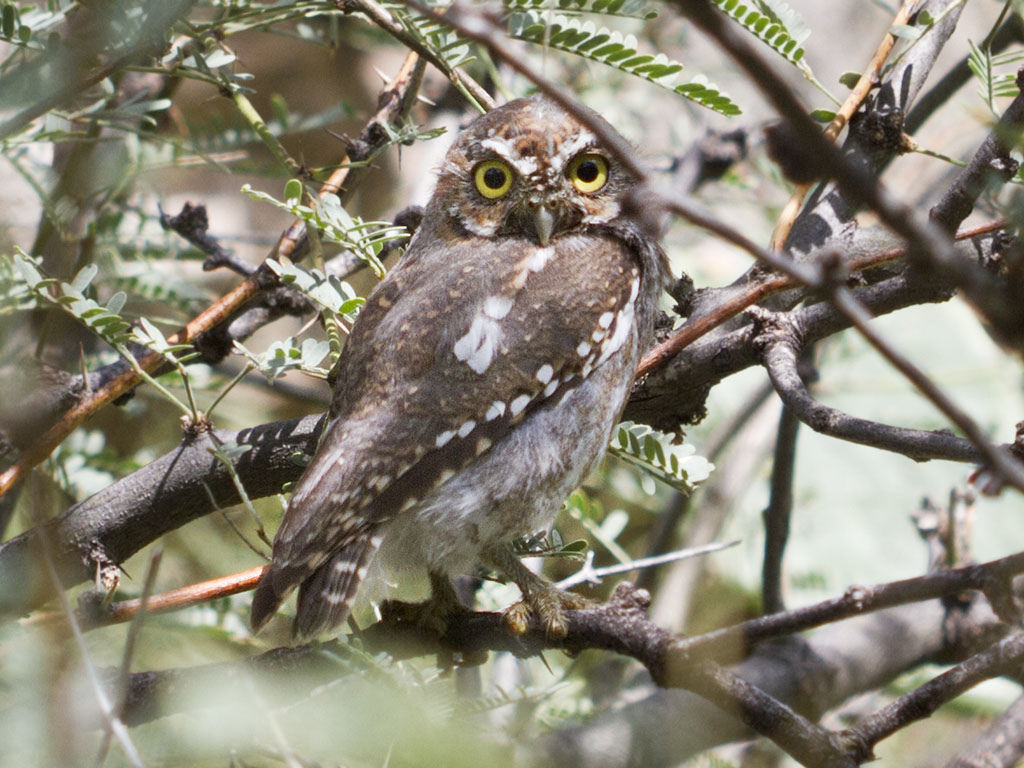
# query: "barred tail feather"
325, 598
274, 586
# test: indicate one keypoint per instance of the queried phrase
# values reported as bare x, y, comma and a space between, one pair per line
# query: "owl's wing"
444, 360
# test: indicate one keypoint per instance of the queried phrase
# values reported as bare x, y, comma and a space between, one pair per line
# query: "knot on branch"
1004, 167
881, 130
193, 224
771, 329
108, 574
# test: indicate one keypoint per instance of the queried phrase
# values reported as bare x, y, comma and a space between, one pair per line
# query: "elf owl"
482, 379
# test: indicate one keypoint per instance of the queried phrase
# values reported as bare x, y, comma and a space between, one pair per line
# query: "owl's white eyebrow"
525, 166
569, 150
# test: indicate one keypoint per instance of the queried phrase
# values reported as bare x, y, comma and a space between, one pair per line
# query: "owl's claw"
548, 604
542, 600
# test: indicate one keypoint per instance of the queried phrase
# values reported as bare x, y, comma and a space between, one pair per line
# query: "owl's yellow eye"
493, 179
588, 172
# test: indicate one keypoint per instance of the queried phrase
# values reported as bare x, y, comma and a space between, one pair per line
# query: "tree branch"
107, 528
781, 343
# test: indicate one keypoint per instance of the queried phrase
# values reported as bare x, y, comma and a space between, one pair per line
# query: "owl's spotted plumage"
483, 377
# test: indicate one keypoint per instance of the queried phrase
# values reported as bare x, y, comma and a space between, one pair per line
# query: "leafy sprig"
654, 452
328, 216
612, 48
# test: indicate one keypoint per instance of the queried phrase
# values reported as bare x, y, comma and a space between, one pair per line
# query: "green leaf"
364, 238
635, 9
906, 31
578, 547
8, 20
334, 295
823, 115
774, 24
293, 192
994, 84
849, 79
116, 302
612, 48
85, 276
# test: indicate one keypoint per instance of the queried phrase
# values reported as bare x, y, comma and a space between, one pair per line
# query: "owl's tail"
325, 598
325, 595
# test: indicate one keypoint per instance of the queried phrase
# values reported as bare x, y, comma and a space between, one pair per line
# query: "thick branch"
780, 340
676, 395
779, 689
107, 528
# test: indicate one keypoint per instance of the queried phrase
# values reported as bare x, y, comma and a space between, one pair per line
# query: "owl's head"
528, 169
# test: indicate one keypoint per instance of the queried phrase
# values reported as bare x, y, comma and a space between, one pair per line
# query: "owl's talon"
548, 605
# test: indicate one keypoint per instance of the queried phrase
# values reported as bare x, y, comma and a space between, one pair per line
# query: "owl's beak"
544, 222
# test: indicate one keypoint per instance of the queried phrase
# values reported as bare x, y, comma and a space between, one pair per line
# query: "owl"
482, 379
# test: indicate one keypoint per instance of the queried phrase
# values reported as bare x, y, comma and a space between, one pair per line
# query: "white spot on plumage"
544, 373
444, 438
480, 343
532, 262
605, 320
623, 327
497, 409
516, 406
583, 349
550, 388
597, 336
497, 307
466, 428
540, 257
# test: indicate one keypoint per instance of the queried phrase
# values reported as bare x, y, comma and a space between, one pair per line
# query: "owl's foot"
542, 600
431, 614
548, 605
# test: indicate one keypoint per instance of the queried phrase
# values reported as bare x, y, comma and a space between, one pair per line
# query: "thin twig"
124, 675
995, 457
992, 577
779, 338
114, 724
380, 16
590, 575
